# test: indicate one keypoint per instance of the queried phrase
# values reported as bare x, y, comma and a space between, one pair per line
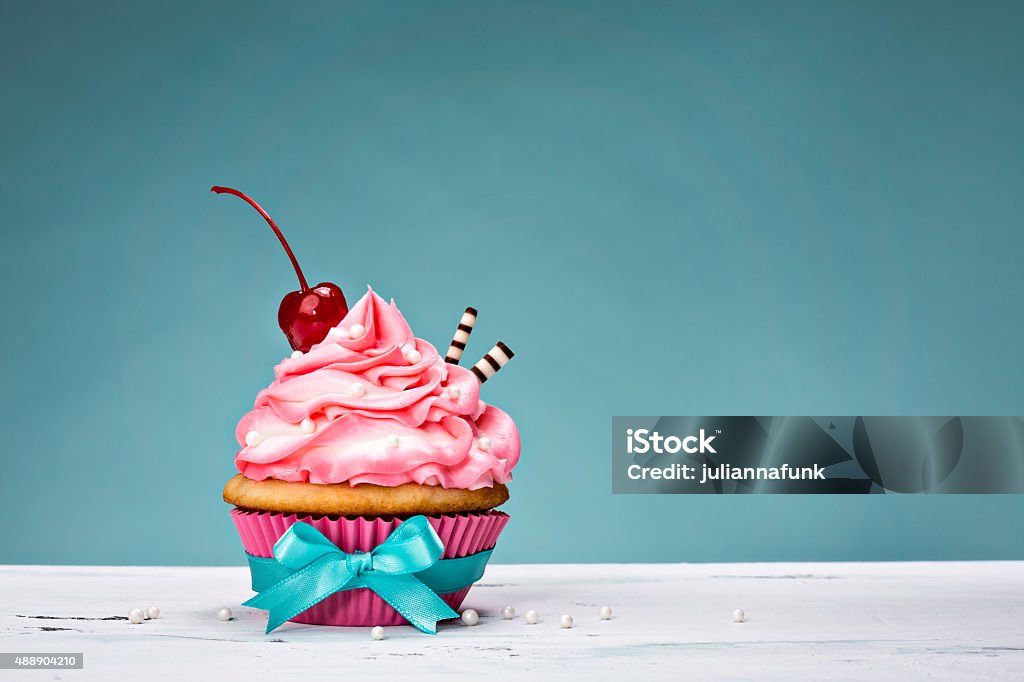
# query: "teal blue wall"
664, 208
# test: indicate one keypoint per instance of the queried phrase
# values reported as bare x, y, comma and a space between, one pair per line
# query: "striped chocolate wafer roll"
495, 359
461, 337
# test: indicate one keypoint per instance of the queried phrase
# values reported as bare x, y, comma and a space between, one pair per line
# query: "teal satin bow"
405, 571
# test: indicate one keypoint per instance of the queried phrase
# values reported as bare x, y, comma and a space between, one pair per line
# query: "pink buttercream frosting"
404, 425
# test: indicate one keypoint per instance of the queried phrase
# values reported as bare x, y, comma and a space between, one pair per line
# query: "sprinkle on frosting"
438, 441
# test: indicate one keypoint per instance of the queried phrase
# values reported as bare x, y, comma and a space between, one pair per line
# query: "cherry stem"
273, 226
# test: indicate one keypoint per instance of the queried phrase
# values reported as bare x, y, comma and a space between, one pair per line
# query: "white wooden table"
805, 621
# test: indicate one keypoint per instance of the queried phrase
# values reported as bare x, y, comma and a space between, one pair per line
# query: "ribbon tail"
303, 589
417, 603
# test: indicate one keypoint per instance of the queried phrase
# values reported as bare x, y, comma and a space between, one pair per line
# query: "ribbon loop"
412, 547
302, 545
307, 568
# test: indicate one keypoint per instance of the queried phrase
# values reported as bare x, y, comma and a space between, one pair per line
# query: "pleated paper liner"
462, 535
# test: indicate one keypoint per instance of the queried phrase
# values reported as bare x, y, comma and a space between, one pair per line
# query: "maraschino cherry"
306, 315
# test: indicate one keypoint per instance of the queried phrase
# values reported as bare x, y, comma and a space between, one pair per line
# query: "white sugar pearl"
508, 613
358, 390
606, 613
412, 356
470, 617
224, 614
377, 632
484, 443
296, 354
565, 621
153, 612
136, 616
253, 438
532, 617
392, 440
307, 425
454, 392
355, 331
738, 616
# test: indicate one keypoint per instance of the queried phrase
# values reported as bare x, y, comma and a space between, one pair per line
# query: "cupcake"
366, 430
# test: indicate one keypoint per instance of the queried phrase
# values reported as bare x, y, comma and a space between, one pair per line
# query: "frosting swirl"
381, 408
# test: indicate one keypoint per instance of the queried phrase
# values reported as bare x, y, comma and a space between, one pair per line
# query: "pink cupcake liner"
462, 535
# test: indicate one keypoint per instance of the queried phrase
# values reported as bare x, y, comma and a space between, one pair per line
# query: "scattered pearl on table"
738, 616
136, 616
606, 613
153, 612
484, 443
307, 425
565, 621
377, 632
392, 440
508, 613
412, 356
224, 614
470, 617
296, 354
358, 390
532, 617
355, 331
454, 392
253, 438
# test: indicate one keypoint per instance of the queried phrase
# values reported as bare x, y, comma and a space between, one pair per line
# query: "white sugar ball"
355, 331
454, 392
253, 438
224, 614
136, 616
307, 425
153, 612
565, 621
508, 613
296, 354
532, 617
606, 613
392, 440
358, 390
470, 617
377, 632
484, 443
412, 355
738, 616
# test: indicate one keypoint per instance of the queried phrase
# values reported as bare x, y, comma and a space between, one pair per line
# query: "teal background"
663, 208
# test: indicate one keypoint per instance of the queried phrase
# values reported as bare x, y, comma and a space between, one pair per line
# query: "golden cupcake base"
342, 499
